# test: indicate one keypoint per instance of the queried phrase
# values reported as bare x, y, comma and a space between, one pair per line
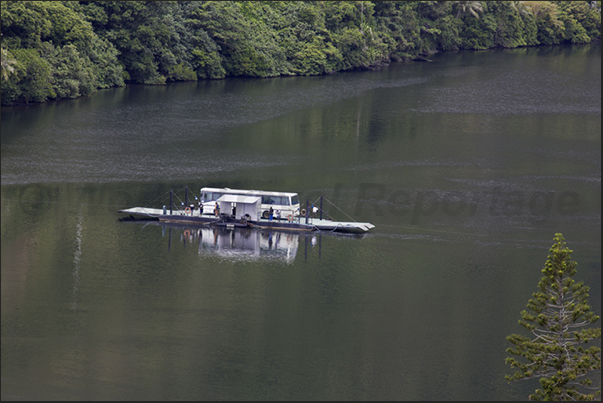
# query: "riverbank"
95, 45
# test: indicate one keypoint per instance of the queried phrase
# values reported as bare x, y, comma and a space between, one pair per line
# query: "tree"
556, 354
550, 28
472, 7
31, 81
7, 63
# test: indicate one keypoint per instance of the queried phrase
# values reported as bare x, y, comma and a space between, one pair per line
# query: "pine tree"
556, 354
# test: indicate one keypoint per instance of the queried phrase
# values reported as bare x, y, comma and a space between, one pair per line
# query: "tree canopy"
70, 49
559, 319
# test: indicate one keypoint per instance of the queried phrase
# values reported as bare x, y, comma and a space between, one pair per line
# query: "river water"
467, 166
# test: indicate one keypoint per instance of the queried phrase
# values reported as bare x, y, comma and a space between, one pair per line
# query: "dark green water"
467, 166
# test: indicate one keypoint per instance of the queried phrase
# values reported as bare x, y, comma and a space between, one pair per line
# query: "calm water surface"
467, 166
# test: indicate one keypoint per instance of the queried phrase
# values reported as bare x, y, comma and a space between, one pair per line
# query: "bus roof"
247, 192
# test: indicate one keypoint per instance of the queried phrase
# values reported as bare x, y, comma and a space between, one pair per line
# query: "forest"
68, 49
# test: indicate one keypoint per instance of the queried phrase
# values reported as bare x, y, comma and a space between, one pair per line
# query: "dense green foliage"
556, 353
65, 49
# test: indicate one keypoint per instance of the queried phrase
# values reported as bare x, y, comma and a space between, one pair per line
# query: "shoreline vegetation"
69, 49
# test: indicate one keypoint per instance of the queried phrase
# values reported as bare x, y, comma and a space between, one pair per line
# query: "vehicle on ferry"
285, 203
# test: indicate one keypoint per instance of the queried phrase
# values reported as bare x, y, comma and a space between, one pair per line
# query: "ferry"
231, 208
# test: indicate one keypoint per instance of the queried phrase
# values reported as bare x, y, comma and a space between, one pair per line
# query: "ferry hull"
298, 224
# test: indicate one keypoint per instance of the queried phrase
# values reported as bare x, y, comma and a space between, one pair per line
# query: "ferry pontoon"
231, 208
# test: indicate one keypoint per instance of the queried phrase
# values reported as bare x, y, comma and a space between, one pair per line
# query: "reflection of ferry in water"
244, 243
237, 243
232, 208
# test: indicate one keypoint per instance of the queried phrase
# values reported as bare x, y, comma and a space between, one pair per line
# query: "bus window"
211, 196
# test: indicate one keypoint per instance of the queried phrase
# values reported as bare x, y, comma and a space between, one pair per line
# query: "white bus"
283, 202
